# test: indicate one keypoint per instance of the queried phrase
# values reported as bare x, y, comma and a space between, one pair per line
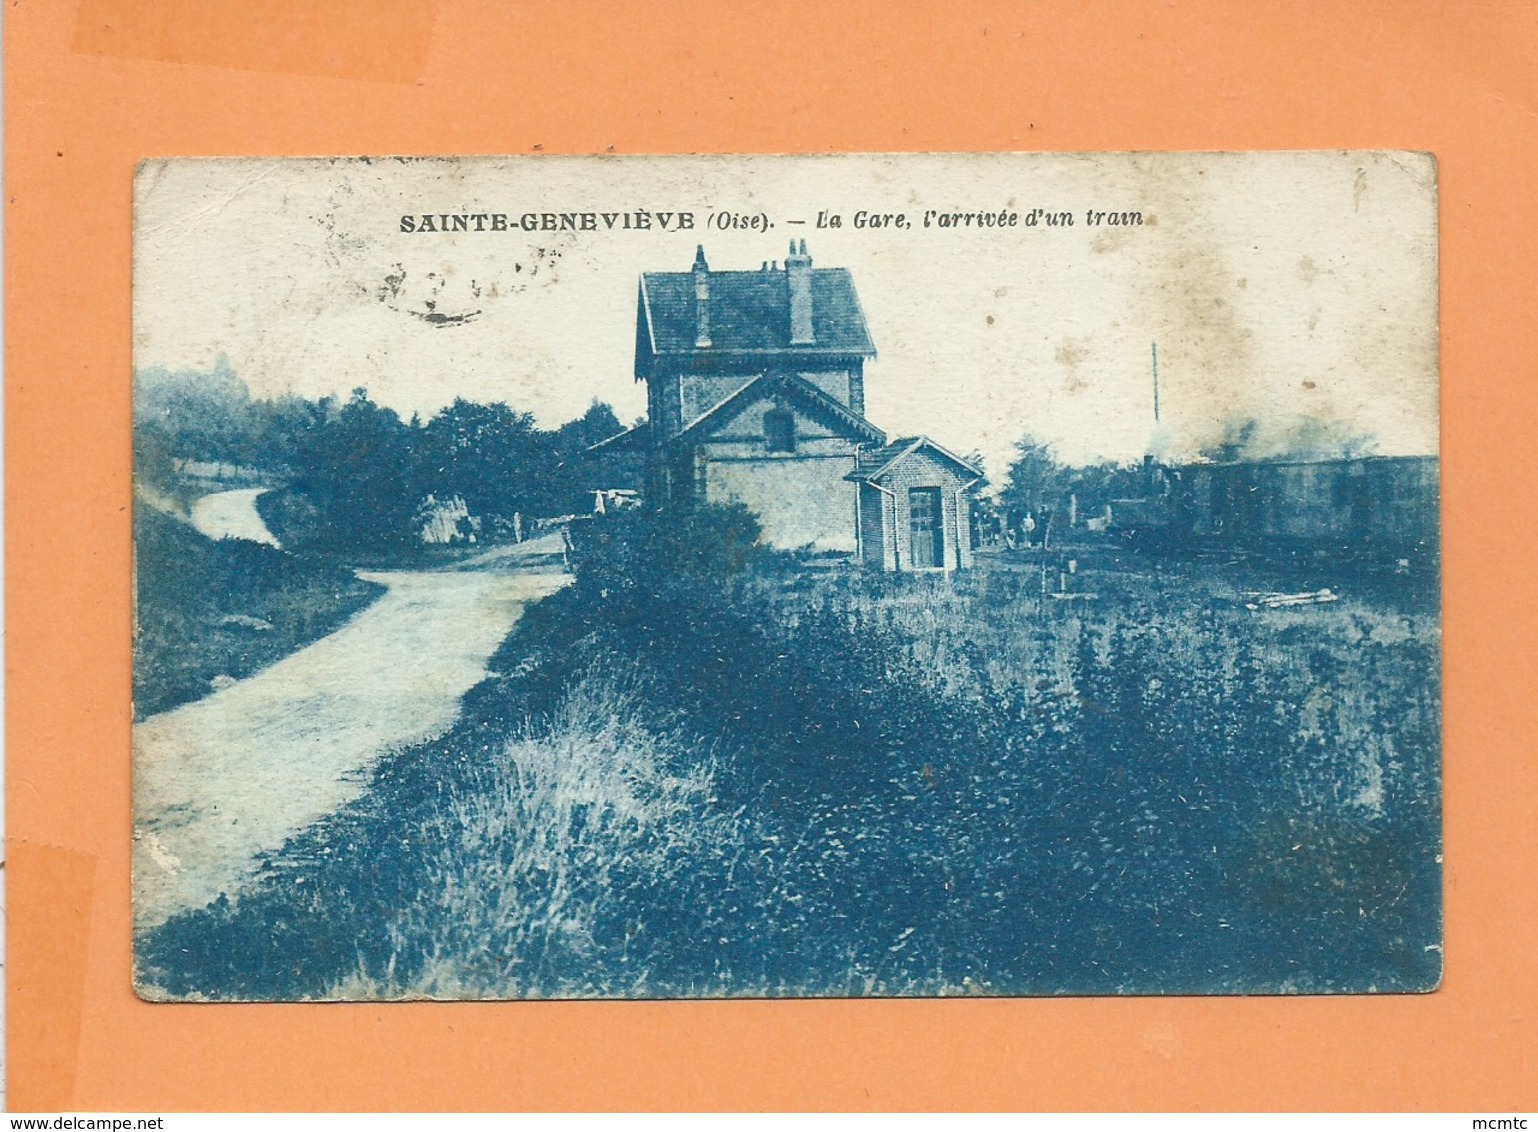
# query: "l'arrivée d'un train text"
646, 220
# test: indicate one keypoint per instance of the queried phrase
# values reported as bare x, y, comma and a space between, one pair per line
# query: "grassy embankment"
209, 609
700, 770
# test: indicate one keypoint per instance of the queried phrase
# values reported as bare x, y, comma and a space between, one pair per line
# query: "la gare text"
643, 220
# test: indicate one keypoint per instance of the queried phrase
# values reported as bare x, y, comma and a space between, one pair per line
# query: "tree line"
350, 473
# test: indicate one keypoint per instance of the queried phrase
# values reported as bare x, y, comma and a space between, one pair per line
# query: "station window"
780, 430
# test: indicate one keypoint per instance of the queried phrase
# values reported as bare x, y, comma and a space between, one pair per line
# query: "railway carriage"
1369, 505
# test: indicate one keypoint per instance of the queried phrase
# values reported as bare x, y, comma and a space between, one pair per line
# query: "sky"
1279, 287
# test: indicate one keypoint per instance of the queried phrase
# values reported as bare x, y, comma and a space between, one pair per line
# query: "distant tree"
598, 423
572, 468
502, 464
286, 427
1098, 484
356, 469
491, 455
199, 414
1035, 478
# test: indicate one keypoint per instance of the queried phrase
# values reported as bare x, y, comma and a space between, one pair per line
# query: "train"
1379, 507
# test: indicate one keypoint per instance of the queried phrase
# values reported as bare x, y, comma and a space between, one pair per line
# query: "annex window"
780, 430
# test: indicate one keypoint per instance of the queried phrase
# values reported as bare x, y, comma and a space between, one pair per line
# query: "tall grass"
529, 860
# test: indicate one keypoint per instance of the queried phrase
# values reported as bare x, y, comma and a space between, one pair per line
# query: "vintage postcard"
873, 575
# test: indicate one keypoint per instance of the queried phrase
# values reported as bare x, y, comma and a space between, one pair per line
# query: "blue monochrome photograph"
775, 577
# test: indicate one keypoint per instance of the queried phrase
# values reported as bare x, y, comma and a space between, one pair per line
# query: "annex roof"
876, 463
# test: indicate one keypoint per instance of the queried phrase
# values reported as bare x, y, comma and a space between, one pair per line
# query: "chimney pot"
798, 280
701, 299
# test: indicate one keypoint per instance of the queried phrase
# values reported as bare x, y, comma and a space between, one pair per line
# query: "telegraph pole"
1156, 381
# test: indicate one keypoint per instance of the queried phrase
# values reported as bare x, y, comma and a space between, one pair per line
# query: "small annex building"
756, 395
914, 506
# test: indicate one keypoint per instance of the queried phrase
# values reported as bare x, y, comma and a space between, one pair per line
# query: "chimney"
701, 298
798, 277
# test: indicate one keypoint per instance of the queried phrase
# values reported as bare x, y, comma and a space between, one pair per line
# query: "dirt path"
232, 514
219, 781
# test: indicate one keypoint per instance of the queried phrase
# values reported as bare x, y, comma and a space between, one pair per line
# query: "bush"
650, 552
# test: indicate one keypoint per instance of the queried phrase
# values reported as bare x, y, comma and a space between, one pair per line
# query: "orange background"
92, 86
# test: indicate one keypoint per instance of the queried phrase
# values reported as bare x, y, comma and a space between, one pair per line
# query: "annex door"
926, 516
